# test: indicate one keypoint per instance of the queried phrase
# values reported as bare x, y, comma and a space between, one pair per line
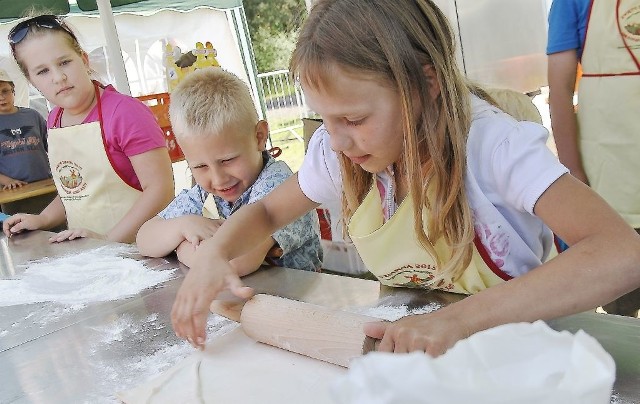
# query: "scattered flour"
42, 315
154, 345
156, 350
615, 399
100, 274
392, 313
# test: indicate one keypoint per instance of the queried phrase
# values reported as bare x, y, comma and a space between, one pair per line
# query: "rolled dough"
236, 369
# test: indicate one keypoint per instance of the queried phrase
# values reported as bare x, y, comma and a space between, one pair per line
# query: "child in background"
600, 143
23, 140
106, 151
439, 188
216, 125
23, 150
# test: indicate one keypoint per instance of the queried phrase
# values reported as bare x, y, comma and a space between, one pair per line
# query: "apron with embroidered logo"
94, 195
609, 103
391, 251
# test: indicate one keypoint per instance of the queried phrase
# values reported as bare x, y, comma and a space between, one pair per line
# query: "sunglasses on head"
20, 31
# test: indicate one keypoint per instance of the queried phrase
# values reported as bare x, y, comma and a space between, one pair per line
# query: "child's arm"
53, 215
243, 265
562, 78
601, 265
185, 252
159, 237
211, 271
251, 261
153, 169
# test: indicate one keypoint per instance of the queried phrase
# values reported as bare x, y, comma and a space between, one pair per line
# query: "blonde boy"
217, 127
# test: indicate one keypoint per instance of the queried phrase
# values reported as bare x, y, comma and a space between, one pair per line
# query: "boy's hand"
195, 228
201, 285
20, 222
186, 253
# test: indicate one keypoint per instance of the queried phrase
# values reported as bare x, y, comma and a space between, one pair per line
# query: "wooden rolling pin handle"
329, 335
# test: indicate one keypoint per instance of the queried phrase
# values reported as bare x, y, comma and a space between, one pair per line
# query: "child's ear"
85, 59
262, 134
432, 78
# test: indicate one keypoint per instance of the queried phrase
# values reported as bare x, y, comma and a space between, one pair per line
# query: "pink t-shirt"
129, 128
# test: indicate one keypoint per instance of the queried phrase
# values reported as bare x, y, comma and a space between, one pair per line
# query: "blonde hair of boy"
392, 41
209, 99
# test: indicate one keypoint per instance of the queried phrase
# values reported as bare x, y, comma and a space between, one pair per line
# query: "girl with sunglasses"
106, 151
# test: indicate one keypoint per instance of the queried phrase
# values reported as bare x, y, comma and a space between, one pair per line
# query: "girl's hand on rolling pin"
201, 285
432, 333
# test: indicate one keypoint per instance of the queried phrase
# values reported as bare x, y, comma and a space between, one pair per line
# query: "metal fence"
284, 103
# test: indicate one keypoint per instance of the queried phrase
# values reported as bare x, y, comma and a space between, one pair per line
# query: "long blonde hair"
393, 41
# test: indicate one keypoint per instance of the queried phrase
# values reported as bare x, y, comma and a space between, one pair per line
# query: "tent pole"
114, 52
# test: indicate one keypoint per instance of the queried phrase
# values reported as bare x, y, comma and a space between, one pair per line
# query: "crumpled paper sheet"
514, 363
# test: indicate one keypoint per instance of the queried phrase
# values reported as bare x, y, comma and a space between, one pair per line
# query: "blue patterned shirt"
299, 240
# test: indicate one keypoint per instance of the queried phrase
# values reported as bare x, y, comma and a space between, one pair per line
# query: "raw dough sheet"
236, 369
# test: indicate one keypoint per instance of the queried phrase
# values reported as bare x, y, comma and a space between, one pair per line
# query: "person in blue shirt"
23, 149
599, 141
23, 140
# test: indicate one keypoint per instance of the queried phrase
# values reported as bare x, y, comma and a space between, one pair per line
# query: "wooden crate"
159, 105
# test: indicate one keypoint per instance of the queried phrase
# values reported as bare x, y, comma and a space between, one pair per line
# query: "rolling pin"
329, 335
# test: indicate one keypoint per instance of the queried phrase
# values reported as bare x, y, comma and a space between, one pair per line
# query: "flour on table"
96, 275
236, 369
52, 313
392, 313
42, 315
139, 350
615, 399
220, 374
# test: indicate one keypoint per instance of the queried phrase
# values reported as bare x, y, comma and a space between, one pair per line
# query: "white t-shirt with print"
509, 167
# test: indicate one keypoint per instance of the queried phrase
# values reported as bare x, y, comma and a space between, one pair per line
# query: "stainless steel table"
68, 359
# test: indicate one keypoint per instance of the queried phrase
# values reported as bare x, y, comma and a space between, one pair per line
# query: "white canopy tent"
142, 32
501, 43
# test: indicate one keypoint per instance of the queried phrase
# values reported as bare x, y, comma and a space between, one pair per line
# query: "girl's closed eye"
198, 166
226, 161
41, 72
354, 123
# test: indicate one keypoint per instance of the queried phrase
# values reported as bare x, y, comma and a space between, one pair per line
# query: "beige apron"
391, 250
94, 195
609, 104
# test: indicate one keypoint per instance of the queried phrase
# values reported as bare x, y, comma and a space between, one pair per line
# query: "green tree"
274, 26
